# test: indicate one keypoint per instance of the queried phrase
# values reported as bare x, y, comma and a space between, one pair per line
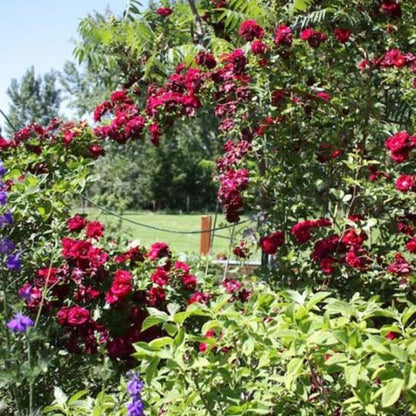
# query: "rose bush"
314, 104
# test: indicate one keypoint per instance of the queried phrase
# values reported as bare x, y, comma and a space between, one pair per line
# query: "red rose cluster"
271, 243
99, 297
73, 136
127, 124
232, 184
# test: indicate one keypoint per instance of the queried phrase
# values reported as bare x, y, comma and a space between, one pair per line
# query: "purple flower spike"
13, 262
20, 323
3, 198
134, 388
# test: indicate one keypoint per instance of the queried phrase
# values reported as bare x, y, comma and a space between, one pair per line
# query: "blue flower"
13, 262
3, 198
20, 323
6, 246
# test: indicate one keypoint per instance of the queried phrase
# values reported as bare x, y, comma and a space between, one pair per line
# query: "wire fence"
152, 227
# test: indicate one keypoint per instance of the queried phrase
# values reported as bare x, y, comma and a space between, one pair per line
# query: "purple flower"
135, 408
2, 169
6, 246
20, 323
13, 262
25, 292
134, 388
8, 217
3, 198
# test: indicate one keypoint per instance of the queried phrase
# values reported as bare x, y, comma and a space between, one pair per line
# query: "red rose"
250, 30
313, 37
62, 316
342, 35
283, 36
272, 242
158, 251
164, 11
351, 237
120, 289
406, 183
78, 316
258, 47
189, 281
76, 223
96, 151
231, 285
206, 59
411, 245
155, 296
391, 8
400, 266
324, 96
95, 230
199, 297
160, 277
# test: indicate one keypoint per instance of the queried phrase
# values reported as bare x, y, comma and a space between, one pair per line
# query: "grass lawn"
187, 243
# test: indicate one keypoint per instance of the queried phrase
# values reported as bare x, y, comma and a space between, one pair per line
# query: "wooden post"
205, 242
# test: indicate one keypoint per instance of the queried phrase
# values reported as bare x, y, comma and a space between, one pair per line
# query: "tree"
83, 89
34, 99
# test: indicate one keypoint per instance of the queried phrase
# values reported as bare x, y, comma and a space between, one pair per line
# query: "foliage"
314, 107
285, 353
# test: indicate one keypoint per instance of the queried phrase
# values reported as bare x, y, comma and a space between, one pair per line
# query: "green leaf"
59, 395
351, 374
151, 321
77, 396
160, 342
391, 392
152, 369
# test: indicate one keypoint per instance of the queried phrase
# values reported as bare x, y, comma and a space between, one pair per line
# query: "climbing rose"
95, 230
313, 37
391, 8
78, 316
342, 35
158, 251
250, 30
160, 277
405, 183
283, 36
206, 59
411, 245
189, 281
76, 223
270, 243
164, 11
258, 47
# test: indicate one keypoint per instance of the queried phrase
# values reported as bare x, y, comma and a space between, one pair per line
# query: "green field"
188, 243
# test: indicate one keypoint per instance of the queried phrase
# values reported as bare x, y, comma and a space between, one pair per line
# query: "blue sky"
39, 33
